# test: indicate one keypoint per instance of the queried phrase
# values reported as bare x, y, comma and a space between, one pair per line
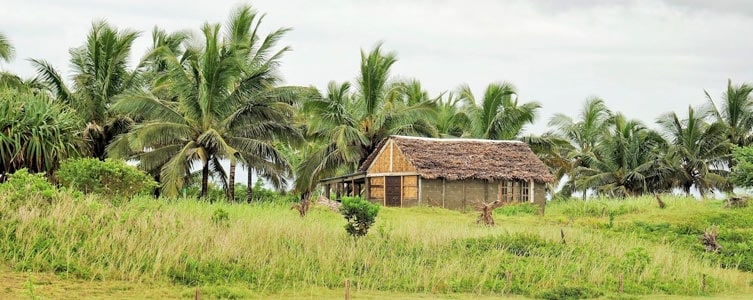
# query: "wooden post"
347, 289
703, 283
620, 287
197, 295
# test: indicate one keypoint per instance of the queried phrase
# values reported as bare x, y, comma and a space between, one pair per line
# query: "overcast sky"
644, 58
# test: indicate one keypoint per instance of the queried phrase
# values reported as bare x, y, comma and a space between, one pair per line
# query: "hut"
451, 173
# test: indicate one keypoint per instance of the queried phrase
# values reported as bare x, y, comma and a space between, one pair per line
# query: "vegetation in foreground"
266, 248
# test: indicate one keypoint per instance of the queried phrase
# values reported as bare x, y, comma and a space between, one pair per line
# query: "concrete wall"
539, 195
463, 195
431, 192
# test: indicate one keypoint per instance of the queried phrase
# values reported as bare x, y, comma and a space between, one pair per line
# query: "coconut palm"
498, 115
349, 125
100, 73
698, 150
452, 119
219, 106
626, 162
6, 49
583, 136
735, 112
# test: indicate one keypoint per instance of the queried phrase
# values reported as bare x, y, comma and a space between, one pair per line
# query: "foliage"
100, 72
742, 172
110, 177
569, 293
347, 125
360, 215
214, 101
499, 116
698, 151
23, 186
626, 162
36, 132
518, 209
220, 217
6, 49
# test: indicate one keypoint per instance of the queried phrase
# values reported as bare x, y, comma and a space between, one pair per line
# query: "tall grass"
268, 248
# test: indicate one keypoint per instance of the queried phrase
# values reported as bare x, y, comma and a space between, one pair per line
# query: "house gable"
390, 159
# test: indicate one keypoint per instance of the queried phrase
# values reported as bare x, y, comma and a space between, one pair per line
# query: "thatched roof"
456, 159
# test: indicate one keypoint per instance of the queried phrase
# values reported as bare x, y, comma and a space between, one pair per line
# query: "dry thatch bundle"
457, 159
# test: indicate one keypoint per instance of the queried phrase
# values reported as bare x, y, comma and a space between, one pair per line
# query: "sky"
644, 58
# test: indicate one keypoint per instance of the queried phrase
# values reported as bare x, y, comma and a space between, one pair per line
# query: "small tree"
360, 215
742, 172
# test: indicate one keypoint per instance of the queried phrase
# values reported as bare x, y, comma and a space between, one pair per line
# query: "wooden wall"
390, 160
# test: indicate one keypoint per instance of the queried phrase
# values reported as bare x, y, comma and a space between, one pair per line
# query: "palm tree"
452, 119
100, 73
499, 116
6, 49
218, 106
349, 125
698, 149
626, 162
735, 112
583, 136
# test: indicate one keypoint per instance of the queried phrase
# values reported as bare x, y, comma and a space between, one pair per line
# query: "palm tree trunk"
231, 182
204, 180
250, 185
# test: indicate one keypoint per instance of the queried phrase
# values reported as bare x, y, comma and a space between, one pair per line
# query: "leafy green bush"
518, 209
568, 292
22, 186
220, 217
360, 215
635, 261
109, 177
519, 244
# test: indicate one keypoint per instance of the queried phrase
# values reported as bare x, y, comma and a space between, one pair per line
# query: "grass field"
85, 247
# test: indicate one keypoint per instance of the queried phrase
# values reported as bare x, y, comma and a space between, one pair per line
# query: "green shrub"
568, 292
220, 217
519, 244
518, 209
635, 261
110, 177
360, 215
22, 186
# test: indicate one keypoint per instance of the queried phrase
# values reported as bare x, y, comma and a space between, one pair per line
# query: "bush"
22, 186
360, 215
518, 209
220, 217
110, 177
519, 244
568, 292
